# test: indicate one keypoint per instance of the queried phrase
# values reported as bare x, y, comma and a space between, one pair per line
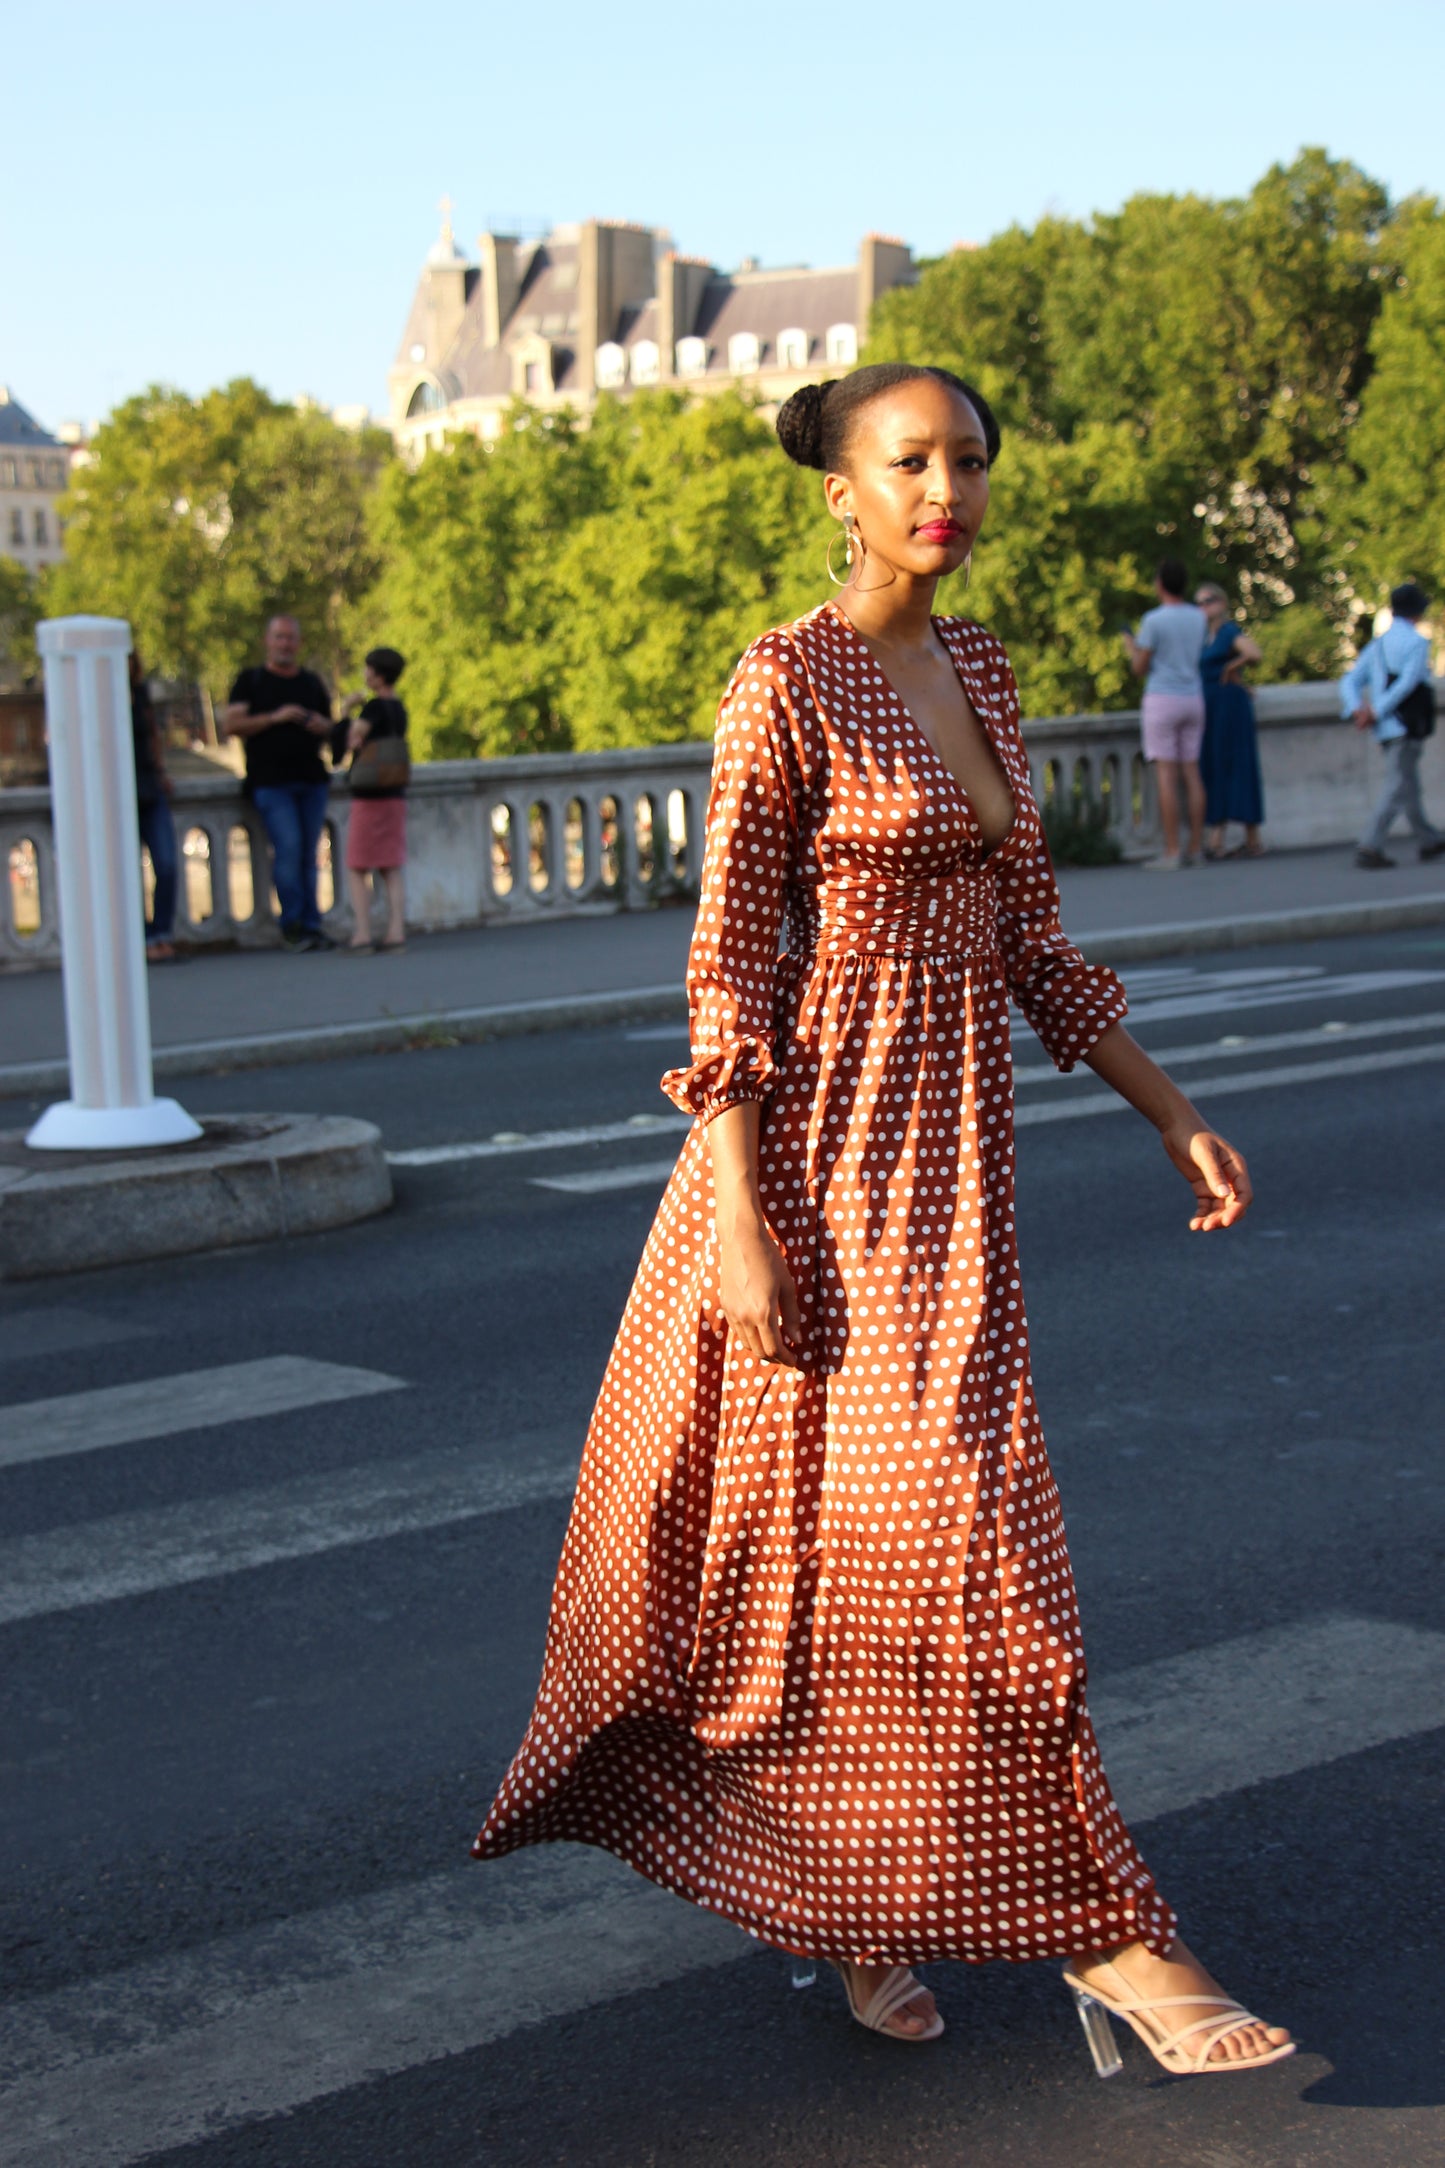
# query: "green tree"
469, 589
1394, 506
703, 537
1178, 377
589, 587
19, 614
196, 519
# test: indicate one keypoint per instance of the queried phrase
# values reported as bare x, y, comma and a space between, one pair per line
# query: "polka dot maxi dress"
814, 1656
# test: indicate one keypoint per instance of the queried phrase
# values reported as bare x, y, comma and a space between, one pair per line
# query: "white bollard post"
112, 1103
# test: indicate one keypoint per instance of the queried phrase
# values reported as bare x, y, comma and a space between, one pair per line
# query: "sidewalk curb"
1319, 923
378, 1035
636, 1004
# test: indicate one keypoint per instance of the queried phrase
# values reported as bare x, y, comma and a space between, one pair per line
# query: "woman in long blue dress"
1229, 762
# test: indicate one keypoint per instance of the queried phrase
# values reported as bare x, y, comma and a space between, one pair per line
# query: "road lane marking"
1277, 1042
1270, 1704
539, 1140
508, 1145
1343, 986
1255, 1080
164, 1547
192, 1400
431, 1970
117, 2067
596, 1179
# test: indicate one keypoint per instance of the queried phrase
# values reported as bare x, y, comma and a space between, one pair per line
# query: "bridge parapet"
568, 834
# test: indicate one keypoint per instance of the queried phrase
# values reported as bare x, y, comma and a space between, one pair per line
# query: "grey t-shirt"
1176, 634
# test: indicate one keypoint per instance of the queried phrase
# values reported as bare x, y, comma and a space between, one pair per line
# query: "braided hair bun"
800, 423
814, 426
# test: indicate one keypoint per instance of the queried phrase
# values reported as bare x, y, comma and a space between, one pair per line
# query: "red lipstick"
939, 530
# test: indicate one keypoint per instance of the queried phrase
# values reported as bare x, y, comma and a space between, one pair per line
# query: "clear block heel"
1183, 2050
805, 1971
1099, 2033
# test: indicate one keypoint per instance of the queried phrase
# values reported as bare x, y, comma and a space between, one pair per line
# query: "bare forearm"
1124, 1066
733, 1141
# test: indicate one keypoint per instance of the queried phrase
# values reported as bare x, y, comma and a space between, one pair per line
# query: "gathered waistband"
950, 914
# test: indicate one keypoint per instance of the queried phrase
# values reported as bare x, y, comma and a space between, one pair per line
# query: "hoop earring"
852, 542
967, 571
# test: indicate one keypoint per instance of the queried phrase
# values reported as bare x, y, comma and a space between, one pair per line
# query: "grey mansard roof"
17, 426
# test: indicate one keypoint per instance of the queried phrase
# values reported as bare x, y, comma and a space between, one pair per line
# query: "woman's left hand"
1215, 1172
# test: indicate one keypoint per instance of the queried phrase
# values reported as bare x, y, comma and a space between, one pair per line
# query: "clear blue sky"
196, 191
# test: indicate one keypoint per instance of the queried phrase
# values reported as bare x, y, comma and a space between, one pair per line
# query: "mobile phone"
1127, 631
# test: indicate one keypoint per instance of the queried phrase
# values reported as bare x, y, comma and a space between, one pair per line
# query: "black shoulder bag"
1417, 710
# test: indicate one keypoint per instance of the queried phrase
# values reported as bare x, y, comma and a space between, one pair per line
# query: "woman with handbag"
379, 773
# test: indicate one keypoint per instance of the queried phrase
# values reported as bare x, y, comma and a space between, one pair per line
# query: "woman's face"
1214, 608
917, 479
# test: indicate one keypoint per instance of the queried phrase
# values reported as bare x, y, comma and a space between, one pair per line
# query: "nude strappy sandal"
884, 2004
1096, 2007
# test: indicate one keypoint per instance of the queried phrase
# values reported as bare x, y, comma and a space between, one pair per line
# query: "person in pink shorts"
1165, 652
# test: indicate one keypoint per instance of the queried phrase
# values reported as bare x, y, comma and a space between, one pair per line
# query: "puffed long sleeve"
752, 829
1069, 1002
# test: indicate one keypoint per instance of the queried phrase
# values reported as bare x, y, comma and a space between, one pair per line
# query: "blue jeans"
158, 834
294, 814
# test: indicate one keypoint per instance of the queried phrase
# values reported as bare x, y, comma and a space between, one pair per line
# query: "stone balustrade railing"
568, 833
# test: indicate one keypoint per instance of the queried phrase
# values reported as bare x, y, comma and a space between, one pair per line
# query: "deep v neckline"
989, 853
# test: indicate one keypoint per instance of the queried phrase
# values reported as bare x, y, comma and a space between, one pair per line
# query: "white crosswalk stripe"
192, 1400
1077, 1105
103, 2073
538, 1140
160, 1547
1254, 1080
592, 1181
1156, 1007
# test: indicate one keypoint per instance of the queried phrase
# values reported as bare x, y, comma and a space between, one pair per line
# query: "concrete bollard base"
246, 1179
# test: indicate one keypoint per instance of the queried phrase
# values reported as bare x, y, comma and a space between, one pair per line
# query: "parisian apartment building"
600, 307
34, 470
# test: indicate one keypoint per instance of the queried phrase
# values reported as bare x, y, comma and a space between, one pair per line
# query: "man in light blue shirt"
1395, 666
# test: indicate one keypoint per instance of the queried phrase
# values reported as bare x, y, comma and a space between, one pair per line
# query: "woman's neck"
897, 613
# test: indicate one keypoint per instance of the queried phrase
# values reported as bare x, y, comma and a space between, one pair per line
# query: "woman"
153, 810
376, 829
814, 1655
1230, 759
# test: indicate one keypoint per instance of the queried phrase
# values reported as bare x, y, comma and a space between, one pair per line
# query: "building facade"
34, 470
599, 307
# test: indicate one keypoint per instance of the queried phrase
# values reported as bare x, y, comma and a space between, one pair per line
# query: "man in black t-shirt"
283, 715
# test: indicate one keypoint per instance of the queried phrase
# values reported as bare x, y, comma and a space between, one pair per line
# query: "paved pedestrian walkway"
218, 1001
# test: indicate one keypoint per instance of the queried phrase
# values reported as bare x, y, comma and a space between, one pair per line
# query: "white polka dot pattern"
814, 1657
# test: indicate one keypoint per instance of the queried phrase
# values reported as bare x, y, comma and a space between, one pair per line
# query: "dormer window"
692, 357
841, 344
793, 349
744, 353
610, 366
646, 362
426, 399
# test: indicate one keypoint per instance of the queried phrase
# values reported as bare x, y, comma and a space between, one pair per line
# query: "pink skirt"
376, 835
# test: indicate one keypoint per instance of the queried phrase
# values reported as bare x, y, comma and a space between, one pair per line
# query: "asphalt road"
260, 1675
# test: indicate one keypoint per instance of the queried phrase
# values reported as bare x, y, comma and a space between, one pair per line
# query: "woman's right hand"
758, 1297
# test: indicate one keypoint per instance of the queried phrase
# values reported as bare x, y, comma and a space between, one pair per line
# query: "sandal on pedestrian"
1096, 2005
886, 2001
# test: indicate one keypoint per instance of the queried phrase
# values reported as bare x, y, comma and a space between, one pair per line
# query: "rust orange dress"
814, 1657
